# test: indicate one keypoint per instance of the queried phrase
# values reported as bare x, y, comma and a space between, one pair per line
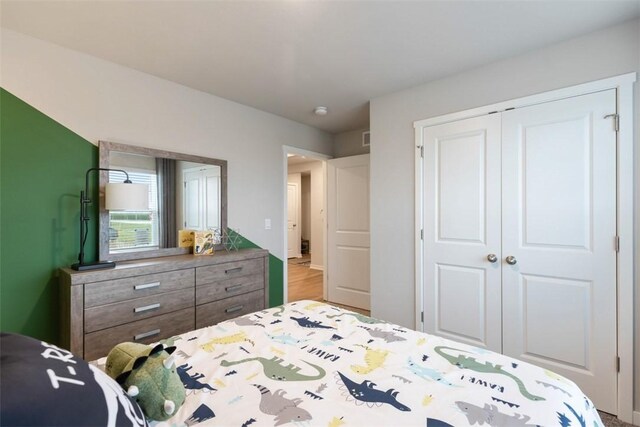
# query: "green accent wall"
276, 279
42, 167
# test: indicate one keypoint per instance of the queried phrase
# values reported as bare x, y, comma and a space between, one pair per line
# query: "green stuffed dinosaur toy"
148, 374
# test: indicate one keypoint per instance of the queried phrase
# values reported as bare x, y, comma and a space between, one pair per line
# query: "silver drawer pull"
146, 308
231, 270
146, 334
147, 286
232, 288
234, 309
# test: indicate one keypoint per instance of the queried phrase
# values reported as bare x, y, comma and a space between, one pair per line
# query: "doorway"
305, 223
305, 201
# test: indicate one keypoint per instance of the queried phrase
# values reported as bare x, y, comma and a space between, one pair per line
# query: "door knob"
492, 258
511, 260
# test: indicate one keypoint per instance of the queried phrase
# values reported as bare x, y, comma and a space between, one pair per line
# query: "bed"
311, 364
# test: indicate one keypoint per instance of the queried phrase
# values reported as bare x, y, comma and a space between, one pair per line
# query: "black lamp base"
93, 266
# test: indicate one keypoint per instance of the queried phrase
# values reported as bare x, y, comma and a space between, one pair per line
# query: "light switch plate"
267, 223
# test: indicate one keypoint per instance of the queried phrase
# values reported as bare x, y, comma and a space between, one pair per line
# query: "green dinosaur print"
465, 362
360, 317
279, 312
276, 370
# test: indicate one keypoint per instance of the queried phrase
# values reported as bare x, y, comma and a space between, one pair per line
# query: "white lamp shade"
126, 197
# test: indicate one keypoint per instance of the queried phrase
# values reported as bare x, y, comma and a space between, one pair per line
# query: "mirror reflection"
186, 192
182, 195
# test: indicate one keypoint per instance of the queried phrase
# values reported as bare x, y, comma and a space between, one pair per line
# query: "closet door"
559, 227
462, 297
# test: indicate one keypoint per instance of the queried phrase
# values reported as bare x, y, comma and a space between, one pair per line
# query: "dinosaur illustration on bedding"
275, 369
466, 362
366, 392
387, 336
426, 372
192, 381
307, 364
225, 340
373, 358
490, 415
285, 410
306, 323
286, 339
359, 317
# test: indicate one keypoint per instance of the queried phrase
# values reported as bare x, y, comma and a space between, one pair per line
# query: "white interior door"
293, 220
211, 193
201, 198
192, 201
348, 249
559, 224
462, 295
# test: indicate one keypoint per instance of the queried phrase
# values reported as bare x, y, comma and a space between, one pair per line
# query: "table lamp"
124, 196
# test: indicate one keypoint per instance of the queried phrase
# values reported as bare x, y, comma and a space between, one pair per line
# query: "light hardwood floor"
306, 283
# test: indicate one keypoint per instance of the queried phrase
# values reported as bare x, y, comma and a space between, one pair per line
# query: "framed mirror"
185, 192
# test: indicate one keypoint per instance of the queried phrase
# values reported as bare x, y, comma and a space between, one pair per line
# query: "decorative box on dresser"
152, 299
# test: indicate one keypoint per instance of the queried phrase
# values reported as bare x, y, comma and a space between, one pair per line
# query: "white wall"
100, 100
349, 144
598, 55
316, 243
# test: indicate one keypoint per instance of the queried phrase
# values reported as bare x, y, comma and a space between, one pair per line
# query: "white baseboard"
636, 418
317, 267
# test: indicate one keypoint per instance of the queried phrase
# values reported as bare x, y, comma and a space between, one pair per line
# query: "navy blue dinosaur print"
306, 323
191, 382
432, 422
575, 414
203, 413
365, 392
563, 420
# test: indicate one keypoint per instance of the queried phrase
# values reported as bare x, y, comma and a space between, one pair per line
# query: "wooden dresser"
152, 299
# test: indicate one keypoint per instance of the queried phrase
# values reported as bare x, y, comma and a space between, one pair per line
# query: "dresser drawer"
98, 344
218, 311
110, 291
228, 270
228, 288
105, 316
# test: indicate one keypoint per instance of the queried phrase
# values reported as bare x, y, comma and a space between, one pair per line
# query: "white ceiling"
286, 57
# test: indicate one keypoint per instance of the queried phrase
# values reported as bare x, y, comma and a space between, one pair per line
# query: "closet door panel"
559, 225
461, 228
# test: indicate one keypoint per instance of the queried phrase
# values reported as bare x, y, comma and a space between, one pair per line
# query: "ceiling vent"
366, 138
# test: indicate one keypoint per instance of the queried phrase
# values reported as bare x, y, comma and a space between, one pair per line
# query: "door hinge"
422, 316
617, 243
421, 147
422, 234
616, 121
618, 363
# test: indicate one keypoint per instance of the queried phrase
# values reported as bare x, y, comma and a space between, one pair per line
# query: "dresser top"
158, 265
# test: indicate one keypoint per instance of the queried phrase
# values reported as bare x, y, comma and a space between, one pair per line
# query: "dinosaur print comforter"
311, 364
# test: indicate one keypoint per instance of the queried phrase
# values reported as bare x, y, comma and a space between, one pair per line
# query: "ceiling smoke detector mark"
321, 111
366, 138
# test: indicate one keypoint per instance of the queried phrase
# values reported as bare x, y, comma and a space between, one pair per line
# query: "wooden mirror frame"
104, 149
